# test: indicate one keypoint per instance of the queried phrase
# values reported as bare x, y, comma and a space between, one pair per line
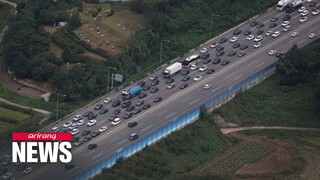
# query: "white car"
258, 38
80, 122
272, 52
233, 39
197, 78
7, 175
92, 122
305, 13
312, 35
107, 100
55, 129
67, 124
303, 19
74, 131
285, 23
77, 118
203, 68
250, 37
276, 34
103, 128
294, 34
300, 10
268, 33
257, 45
203, 50
213, 45
206, 86
28, 170
193, 67
316, 12
116, 121
286, 28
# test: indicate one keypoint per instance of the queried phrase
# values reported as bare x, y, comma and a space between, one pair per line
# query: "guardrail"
178, 123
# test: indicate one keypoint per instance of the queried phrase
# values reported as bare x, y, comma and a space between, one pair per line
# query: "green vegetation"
7, 113
177, 154
6, 12
314, 140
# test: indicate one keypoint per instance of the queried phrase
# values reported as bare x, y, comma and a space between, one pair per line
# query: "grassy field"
272, 104
6, 12
4, 126
7, 113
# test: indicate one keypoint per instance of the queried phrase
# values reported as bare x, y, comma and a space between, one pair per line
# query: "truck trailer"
294, 5
132, 91
172, 69
282, 4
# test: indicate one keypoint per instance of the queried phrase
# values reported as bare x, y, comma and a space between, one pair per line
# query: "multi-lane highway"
176, 101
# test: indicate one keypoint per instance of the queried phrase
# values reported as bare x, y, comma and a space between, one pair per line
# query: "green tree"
75, 21
67, 55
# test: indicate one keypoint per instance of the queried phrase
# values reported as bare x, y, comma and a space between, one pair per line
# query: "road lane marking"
194, 101
231, 74
185, 99
313, 28
237, 77
259, 64
94, 157
163, 112
114, 139
301, 41
251, 63
146, 128
121, 142
170, 114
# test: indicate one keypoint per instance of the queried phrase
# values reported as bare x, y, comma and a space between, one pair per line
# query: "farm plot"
10, 114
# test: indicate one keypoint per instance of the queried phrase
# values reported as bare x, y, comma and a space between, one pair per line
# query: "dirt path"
24, 107
229, 130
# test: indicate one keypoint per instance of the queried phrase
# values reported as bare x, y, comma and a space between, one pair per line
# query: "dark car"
125, 105
260, 25
220, 53
236, 45
206, 61
219, 48
223, 63
240, 54
247, 32
223, 40
236, 32
169, 81
272, 25
279, 54
287, 17
184, 85
133, 136
116, 103
142, 95
155, 82
98, 106
116, 111
125, 98
141, 83
274, 19
130, 108
128, 115
75, 138
92, 146
185, 78
210, 71
146, 88
157, 99
69, 166
260, 31
232, 53
139, 102
132, 124
244, 46
103, 111
145, 106
92, 116
112, 117
216, 61
253, 23
87, 113
95, 134
185, 72
87, 138
205, 55
136, 111
154, 89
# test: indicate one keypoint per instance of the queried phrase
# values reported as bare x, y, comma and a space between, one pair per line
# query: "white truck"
295, 4
172, 69
282, 4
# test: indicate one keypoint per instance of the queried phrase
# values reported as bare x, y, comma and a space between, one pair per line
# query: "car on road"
197, 78
216, 61
132, 124
116, 103
272, 52
142, 95
193, 67
103, 111
206, 86
77, 118
274, 19
219, 48
236, 45
303, 19
294, 34
312, 35
169, 81
145, 106
98, 106
232, 53
185, 78
55, 129
92, 116
139, 102
116, 121
276, 34
91, 122
285, 23
67, 124
136, 111
273, 25
244, 46
170, 86
74, 131
213, 45
69, 166
133, 136
253, 23
258, 38
250, 37
220, 53
146, 87
280, 54
116, 111
185, 72
130, 108
240, 54
80, 122
92, 146
103, 128
260, 32
315, 12
95, 134
233, 39
203, 50
210, 71
223, 63
286, 17
107, 100
206, 61
205, 55
247, 32
301, 9
142, 83
223, 40
268, 33
128, 115
236, 32
155, 82
157, 99
305, 13
154, 89
203, 68
286, 28
85, 132
153, 77
260, 25
7, 175
184, 85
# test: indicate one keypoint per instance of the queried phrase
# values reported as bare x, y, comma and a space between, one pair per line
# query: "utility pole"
63, 95
163, 40
109, 76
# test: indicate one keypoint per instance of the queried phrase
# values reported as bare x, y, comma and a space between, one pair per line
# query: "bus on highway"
191, 60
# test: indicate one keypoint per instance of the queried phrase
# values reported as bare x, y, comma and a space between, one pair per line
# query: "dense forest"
186, 23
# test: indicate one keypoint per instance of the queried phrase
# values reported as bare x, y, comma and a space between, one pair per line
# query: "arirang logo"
45, 147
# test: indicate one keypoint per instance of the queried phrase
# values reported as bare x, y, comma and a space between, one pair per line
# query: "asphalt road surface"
177, 102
